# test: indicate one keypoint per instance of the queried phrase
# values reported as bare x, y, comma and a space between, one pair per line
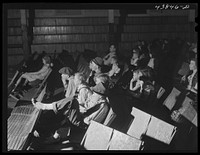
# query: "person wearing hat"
96, 68
80, 115
62, 106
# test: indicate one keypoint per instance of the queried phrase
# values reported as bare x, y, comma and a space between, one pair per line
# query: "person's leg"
74, 116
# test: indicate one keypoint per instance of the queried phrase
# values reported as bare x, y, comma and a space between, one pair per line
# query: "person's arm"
136, 86
43, 69
55, 106
194, 89
106, 57
42, 106
131, 84
115, 70
83, 95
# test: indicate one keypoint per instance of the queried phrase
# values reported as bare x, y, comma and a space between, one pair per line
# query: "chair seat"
35, 83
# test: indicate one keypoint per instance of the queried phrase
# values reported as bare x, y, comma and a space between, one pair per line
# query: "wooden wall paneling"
15, 51
15, 60
13, 13
14, 31
14, 22
14, 40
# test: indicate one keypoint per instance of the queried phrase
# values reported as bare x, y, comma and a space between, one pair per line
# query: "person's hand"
82, 109
132, 80
189, 87
183, 78
38, 105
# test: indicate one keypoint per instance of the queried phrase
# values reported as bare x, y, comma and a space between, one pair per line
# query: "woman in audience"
190, 80
132, 66
32, 76
108, 58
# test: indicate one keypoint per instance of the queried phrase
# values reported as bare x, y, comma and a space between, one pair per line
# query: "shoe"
36, 134
52, 140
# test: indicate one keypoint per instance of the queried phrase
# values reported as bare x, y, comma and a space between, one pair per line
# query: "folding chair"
170, 101
97, 113
40, 83
101, 137
139, 125
110, 117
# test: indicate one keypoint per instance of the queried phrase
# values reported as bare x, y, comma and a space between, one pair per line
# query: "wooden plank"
96, 137
70, 38
70, 21
160, 130
140, 123
70, 29
14, 23
14, 39
121, 141
14, 31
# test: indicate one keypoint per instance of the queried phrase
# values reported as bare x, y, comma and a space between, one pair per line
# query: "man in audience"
79, 113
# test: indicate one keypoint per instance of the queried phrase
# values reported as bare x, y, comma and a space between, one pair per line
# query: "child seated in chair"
136, 84
40, 75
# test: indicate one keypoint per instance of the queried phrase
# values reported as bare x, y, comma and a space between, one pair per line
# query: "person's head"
100, 90
46, 60
113, 60
137, 74
136, 52
96, 64
66, 73
102, 78
79, 78
112, 48
193, 64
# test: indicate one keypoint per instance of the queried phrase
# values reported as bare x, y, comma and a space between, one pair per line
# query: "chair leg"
14, 97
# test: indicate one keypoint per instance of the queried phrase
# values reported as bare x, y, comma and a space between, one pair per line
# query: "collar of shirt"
81, 86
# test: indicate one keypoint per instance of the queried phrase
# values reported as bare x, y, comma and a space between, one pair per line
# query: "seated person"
132, 66
115, 67
40, 75
108, 58
190, 80
67, 76
66, 59
141, 83
96, 68
136, 83
62, 106
78, 113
